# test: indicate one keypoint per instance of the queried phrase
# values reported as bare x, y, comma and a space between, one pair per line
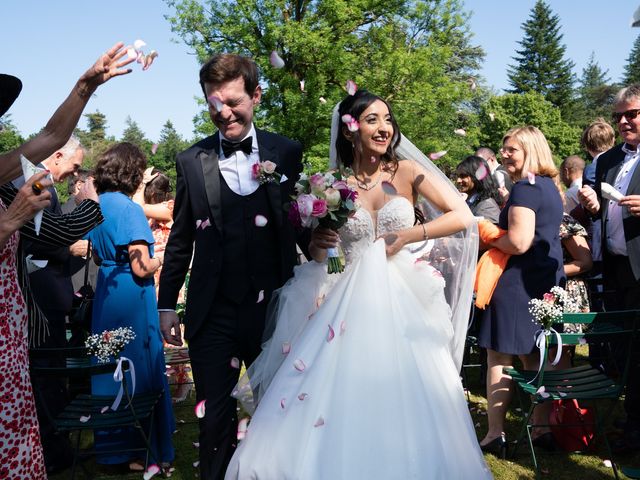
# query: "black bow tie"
229, 147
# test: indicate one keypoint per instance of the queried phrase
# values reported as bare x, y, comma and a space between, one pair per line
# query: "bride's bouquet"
323, 199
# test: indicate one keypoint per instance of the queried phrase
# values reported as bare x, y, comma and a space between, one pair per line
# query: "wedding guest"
498, 171
571, 170
474, 180
60, 126
532, 218
125, 297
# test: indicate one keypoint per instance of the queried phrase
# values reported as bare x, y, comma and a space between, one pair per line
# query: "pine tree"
133, 134
170, 144
541, 66
595, 92
632, 68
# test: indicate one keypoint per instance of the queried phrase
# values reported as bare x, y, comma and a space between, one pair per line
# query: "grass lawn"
557, 466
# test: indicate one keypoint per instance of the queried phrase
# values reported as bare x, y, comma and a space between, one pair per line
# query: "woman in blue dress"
125, 297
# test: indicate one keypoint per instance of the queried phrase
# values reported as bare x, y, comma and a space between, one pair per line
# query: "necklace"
366, 187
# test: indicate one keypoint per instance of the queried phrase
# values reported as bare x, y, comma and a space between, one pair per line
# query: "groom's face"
233, 112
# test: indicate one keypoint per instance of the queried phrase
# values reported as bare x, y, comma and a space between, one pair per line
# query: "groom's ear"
257, 96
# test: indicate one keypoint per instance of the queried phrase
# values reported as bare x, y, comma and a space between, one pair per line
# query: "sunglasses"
629, 115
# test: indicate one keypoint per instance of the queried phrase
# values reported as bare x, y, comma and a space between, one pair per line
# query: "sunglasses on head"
629, 115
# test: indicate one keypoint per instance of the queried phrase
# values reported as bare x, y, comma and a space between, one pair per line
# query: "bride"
360, 378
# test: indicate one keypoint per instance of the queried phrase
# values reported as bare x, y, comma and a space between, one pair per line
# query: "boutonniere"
265, 172
202, 224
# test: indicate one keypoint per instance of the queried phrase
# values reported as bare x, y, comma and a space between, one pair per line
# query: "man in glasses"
618, 167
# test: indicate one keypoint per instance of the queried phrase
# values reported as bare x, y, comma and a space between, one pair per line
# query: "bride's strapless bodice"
362, 229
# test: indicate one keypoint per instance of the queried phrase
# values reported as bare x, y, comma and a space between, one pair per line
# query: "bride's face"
376, 130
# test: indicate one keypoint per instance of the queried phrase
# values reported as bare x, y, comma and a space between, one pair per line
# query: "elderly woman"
532, 218
125, 297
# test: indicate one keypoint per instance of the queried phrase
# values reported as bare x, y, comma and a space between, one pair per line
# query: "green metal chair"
87, 412
616, 332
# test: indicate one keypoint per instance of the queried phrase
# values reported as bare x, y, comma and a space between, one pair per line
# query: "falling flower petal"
351, 87
532, 178
302, 85
346, 118
260, 220
482, 172
235, 362
562, 394
299, 365
582, 341
260, 296
492, 116
323, 100
138, 44
276, 61
460, 131
286, 348
216, 103
319, 422
373, 159
85, 418
196, 444
200, 408
196, 464
343, 327
104, 409
154, 148
151, 471
542, 392
472, 84
607, 463
131, 53
437, 155
242, 428
478, 425
353, 126
282, 403
302, 396
388, 188
148, 59
140, 57
330, 334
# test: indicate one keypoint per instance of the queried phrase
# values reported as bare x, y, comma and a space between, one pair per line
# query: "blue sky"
48, 44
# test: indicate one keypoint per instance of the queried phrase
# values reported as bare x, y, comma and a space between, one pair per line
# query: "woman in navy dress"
532, 218
125, 297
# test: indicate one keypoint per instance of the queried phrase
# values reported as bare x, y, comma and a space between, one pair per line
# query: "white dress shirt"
237, 169
571, 195
616, 242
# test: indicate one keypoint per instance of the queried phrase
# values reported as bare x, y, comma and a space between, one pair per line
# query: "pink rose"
319, 208
549, 297
268, 167
316, 181
340, 185
305, 208
255, 170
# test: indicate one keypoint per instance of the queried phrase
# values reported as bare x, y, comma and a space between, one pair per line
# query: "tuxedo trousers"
231, 331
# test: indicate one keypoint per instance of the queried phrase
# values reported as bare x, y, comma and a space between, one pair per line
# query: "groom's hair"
226, 67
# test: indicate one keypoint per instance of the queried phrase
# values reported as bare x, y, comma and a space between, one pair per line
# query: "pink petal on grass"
351, 87
242, 428
319, 422
151, 471
276, 61
302, 396
260, 296
235, 362
460, 131
322, 100
330, 334
104, 409
138, 44
388, 188
154, 148
531, 177
260, 220
200, 409
482, 172
215, 102
85, 418
437, 155
286, 348
299, 365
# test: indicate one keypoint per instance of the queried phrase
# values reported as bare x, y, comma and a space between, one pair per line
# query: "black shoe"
498, 446
546, 442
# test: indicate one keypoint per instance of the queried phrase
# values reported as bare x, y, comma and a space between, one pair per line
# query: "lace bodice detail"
359, 232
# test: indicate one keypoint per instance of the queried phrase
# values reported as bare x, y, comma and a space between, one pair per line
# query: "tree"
632, 68
170, 144
541, 65
417, 55
10, 137
595, 93
94, 139
133, 134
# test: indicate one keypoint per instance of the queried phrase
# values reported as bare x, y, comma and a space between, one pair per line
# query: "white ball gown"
361, 382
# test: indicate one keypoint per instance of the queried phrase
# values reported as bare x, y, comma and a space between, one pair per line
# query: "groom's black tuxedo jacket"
198, 199
607, 169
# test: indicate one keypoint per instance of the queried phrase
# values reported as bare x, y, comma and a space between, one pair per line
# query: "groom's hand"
170, 328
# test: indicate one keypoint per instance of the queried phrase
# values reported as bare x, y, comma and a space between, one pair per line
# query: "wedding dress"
358, 379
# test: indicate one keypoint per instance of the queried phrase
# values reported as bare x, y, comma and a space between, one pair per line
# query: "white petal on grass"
151, 471
607, 463
276, 61
323, 100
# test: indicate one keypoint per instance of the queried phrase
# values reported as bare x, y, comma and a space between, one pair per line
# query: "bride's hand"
321, 239
393, 242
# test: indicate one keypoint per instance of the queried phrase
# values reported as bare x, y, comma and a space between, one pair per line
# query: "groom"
238, 260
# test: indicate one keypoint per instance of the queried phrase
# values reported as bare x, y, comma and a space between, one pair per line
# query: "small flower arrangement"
265, 172
323, 199
549, 309
109, 344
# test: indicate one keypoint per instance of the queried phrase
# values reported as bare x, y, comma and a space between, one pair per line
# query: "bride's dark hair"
354, 105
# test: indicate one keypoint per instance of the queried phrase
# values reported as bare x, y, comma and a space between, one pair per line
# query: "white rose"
268, 167
332, 196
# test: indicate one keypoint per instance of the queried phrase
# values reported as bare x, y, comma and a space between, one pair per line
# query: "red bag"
578, 436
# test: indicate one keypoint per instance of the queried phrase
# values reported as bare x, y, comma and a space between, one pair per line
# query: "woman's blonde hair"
537, 154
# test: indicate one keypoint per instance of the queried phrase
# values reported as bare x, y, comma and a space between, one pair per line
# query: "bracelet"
424, 232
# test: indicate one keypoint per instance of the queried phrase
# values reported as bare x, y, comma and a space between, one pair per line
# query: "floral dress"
20, 448
576, 285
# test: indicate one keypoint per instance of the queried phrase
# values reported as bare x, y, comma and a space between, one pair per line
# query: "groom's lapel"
268, 152
211, 175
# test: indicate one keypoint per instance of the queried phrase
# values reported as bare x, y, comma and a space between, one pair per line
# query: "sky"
49, 44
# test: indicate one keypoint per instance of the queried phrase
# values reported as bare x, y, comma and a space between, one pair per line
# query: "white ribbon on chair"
541, 344
118, 376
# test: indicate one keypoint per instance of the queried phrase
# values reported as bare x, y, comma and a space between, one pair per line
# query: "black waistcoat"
251, 254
